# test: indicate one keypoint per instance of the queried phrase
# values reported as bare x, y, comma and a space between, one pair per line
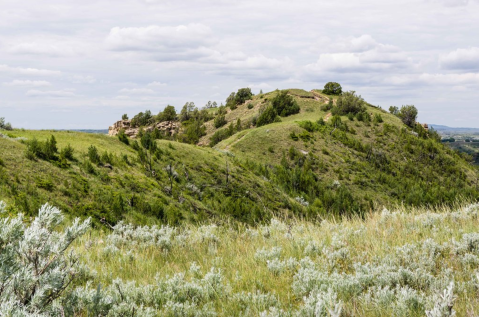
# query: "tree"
284, 104
4, 125
394, 110
168, 114
172, 175
230, 101
194, 130
147, 151
124, 117
142, 119
186, 111
349, 102
332, 88
242, 95
408, 115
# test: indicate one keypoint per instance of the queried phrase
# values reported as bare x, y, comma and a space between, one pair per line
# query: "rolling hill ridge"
289, 153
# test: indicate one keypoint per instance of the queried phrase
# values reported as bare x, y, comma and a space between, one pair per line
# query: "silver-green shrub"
35, 267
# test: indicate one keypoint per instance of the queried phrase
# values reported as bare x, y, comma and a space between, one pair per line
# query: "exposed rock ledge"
169, 127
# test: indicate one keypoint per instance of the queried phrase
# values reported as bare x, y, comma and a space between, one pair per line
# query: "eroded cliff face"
168, 127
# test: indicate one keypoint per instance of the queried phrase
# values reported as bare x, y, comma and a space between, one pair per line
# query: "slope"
372, 159
205, 183
300, 165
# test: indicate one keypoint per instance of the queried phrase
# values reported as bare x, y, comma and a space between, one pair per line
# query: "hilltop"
290, 153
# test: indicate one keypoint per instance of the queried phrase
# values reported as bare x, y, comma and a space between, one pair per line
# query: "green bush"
142, 119
67, 153
284, 104
326, 107
294, 136
42, 150
349, 102
88, 167
123, 137
250, 106
378, 118
267, 116
220, 121
193, 131
93, 155
46, 184
107, 158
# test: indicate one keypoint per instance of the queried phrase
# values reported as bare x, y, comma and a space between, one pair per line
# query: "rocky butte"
168, 127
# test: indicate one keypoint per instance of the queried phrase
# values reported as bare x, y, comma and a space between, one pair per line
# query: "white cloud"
435, 79
137, 91
156, 84
361, 54
159, 38
50, 93
454, 3
193, 45
362, 43
258, 67
465, 59
43, 48
28, 71
260, 86
33, 83
79, 79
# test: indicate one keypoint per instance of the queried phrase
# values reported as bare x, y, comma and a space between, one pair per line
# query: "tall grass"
392, 263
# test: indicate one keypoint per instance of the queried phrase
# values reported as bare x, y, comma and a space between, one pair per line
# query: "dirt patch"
326, 117
319, 97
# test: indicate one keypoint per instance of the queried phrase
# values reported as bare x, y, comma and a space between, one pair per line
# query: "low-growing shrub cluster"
401, 263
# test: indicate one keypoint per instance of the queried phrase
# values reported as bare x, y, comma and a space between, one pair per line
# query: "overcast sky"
69, 64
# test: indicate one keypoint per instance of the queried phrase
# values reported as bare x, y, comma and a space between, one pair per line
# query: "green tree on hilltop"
168, 114
332, 88
408, 115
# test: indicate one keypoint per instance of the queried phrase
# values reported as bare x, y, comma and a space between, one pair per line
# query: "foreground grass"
389, 264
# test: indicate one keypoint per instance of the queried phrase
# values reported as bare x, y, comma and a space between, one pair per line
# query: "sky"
69, 64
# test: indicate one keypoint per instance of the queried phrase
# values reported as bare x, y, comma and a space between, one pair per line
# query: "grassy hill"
309, 164
200, 187
381, 161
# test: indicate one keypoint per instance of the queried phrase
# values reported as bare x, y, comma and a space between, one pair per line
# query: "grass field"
393, 263
399, 262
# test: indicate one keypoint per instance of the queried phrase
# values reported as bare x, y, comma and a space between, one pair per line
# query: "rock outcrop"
168, 127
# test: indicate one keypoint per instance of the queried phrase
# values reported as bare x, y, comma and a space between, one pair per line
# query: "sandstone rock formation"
168, 127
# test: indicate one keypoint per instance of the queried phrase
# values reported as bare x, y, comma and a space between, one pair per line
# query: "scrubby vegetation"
311, 163
391, 263
276, 217
5, 125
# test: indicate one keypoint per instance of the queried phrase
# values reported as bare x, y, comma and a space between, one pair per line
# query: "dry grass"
371, 240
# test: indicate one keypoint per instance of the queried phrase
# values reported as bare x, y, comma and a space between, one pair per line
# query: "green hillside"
311, 163
379, 159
